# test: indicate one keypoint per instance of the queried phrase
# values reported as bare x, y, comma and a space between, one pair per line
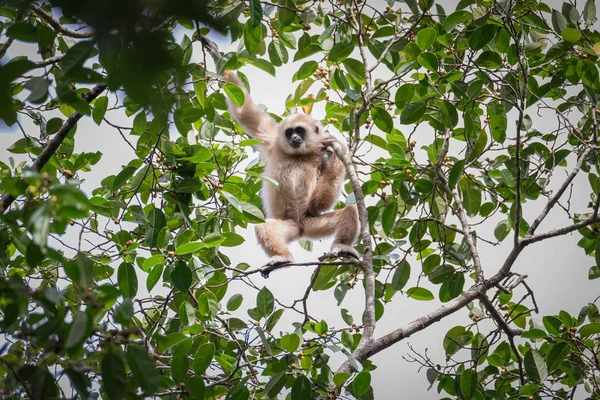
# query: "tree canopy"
468, 128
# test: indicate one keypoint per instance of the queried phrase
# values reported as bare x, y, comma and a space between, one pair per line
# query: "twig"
510, 332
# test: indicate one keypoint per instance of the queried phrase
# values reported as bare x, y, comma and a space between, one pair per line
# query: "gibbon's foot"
274, 263
341, 251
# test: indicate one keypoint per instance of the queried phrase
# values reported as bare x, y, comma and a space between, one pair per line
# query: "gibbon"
299, 157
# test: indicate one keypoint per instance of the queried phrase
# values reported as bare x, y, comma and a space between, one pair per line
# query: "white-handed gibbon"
310, 176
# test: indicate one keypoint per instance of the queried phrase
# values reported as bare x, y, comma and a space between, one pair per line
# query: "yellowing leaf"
597, 48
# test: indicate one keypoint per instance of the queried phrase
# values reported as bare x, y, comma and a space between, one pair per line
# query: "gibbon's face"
299, 134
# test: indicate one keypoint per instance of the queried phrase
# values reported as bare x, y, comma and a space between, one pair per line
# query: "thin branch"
55, 143
552, 202
510, 332
49, 61
57, 25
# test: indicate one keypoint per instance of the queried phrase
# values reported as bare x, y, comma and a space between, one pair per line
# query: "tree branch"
56, 25
55, 143
554, 199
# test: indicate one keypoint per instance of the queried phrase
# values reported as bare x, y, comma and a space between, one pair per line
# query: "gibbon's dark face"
299, 134
295, 136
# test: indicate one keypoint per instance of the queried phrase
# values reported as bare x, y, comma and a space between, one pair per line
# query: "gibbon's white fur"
309, 175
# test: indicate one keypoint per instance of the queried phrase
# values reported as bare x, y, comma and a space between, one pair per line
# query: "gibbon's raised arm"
257, 123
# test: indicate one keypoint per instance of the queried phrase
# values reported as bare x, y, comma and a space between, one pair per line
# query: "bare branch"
554, 199
55, 143
57, 25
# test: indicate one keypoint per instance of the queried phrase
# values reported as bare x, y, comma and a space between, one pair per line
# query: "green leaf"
301, 388
502, 40
252, 36
275, 385
597, 252
557, 354
412, 112
419, 293
589, 330
100, 107
535, 366
24, 32
143, 369
412, 51
401, 276
340, 51
179, 367
139, 123
234, 302
181, 276
122, 177
113, 375
325, 274
232, 239
156, 221
588, 72
589, 11
76, 56
265, 302
468, 383
256, 12
78, 330
234, 93
154, 276
426, 37
382, 119
203, 358
196, 386
502, 230
306, 51
290, 342
213, 239
594, 272
188, 248
448, 114
361, 384
127, 280
481, 36
389, 217
559, 22
471, 196
305, 71
571, 35
38, 87
489, 60
428, 61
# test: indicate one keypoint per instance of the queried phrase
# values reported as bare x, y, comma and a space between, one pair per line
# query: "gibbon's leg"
274, 235
343, 223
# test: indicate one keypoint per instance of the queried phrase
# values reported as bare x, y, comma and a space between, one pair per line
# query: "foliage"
424, 97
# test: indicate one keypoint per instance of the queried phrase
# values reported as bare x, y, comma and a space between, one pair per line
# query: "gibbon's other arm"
329, 183
255, 122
